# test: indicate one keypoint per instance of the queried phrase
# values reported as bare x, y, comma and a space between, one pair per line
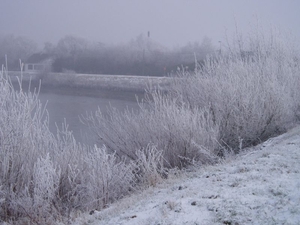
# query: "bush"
109, 178
252, 95
233, 100
183, 135
46, 178
150, 166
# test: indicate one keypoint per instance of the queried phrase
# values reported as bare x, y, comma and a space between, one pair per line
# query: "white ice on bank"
259, 186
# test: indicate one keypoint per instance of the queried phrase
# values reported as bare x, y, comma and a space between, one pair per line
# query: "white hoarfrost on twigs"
236, 99
261, 185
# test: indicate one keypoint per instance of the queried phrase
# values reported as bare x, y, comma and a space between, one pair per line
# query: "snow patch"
259, 186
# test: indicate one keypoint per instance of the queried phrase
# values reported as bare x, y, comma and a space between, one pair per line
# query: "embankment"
133, 83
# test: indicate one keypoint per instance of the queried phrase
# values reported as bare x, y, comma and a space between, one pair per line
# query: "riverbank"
111, 82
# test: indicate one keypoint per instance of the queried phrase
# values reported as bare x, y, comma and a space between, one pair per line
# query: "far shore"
92, 81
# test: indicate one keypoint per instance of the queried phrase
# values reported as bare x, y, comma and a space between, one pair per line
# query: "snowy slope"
259, 186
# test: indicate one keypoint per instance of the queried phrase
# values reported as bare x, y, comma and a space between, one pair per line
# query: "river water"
68, 103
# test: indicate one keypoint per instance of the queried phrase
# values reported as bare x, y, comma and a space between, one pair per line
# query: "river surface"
68, 103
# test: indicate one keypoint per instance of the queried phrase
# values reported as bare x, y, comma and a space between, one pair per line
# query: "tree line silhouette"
140, 56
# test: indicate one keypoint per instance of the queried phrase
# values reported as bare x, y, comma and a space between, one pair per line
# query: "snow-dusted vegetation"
236, 99
252, 92
259, 186
46, 178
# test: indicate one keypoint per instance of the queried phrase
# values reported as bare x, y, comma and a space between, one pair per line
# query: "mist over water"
68, 104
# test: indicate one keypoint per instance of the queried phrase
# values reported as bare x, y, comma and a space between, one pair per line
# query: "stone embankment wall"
94, 81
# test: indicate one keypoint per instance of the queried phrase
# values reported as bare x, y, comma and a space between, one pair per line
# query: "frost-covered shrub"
150, 166
45, 183
252, 94
109, 178
182, 134
235, 99
35, 201
24, 137
46, 178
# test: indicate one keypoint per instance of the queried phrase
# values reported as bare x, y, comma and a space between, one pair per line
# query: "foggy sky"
170, 22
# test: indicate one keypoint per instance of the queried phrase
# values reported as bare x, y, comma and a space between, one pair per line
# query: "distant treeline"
140, 56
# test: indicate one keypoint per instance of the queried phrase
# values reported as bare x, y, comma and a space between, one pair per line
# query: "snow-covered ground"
259, 186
